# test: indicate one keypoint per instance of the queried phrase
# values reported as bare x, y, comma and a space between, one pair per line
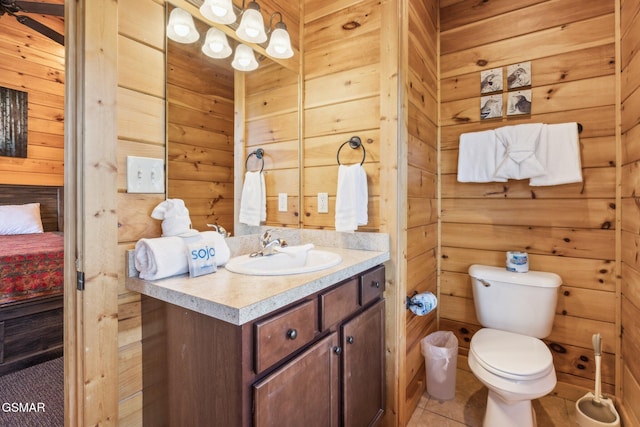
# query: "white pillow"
20, 219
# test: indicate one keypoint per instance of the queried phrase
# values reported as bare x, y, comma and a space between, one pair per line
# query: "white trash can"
440, 351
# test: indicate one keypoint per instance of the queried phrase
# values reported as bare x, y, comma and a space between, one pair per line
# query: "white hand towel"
352, 198
520, 143
477, 157
253, 203
559, 151
161, 257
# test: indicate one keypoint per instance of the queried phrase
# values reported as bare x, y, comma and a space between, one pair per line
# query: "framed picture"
519, 102
491, 80
13, 123
490, 106
519, 75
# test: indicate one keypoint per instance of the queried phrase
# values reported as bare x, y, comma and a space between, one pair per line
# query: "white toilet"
507, 355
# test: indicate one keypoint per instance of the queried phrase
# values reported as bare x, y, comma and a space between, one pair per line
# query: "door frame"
90, 219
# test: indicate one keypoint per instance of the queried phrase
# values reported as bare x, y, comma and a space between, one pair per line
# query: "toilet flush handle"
484, 282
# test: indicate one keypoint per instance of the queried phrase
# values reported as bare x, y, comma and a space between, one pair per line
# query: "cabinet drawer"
284, 333
338, 303
372, 285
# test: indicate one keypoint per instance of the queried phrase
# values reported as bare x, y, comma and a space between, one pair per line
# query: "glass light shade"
251, 27
280, 43
216, 44
220, 11
244, 59
181, 27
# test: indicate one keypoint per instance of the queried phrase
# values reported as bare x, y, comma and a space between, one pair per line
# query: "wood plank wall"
567, 229
272, 116
32, 63
422, 195
341, 99
200, 170
141, 132
630, 97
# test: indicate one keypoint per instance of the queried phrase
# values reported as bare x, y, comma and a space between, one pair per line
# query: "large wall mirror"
217, 116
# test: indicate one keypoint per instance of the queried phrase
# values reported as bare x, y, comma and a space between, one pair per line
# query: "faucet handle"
266, 237
219, 229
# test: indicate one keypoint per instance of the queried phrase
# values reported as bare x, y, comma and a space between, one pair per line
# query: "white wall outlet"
323, 202
282, 202
145, 175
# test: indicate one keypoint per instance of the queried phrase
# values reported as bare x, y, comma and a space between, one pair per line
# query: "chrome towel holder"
259, 153
354, 142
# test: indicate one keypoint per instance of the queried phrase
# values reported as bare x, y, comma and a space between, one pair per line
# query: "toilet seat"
509, 355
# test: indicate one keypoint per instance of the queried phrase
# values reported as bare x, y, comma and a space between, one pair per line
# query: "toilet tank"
524, 303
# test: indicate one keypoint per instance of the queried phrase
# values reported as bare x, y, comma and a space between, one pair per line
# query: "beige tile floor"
467, 408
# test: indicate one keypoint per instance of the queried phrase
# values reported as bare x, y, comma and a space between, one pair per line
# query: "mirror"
215, 117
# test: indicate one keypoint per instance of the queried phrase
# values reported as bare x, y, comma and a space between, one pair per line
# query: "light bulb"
181, 29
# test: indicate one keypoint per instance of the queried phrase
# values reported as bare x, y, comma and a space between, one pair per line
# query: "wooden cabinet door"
363, 381
304, 392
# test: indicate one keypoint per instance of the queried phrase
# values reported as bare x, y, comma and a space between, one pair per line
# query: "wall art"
13, 123
491, 80
519, 75
491, 106
519, 102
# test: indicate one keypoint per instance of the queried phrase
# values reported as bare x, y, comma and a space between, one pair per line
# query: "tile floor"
467, 408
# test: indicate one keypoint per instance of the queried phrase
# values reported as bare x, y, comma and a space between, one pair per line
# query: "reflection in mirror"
214, 111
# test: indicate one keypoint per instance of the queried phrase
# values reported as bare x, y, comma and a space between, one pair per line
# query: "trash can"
440, 351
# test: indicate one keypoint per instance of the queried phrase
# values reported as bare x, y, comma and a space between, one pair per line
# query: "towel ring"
259, 153
354, 142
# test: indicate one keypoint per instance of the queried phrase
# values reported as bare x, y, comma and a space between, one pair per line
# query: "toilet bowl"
516, 369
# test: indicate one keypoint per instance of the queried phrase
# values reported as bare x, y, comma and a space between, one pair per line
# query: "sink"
287, 260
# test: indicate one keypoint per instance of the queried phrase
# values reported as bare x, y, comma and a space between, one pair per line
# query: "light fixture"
279, 41
244, 59
251, 28
216, 44
181, 27
220, 11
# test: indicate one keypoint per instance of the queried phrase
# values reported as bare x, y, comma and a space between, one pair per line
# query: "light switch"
145, 175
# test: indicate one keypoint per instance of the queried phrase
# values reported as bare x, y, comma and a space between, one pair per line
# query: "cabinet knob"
337, 350
376, 284
292, 334
350, 340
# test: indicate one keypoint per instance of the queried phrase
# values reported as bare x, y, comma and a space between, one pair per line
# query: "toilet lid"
511, 355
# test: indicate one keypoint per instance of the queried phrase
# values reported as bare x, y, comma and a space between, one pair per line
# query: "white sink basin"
283, 263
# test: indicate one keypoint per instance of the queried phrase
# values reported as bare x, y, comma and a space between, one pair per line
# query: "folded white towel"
160, 257
352, 198
253, 203
477, 157
559, 151
520, 143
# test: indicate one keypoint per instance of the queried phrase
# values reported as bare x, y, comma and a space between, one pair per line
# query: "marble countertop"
238, 298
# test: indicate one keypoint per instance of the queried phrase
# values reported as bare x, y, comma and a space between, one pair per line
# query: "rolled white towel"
160, 257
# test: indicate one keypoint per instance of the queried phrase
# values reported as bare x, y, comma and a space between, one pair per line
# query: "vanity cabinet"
316, 362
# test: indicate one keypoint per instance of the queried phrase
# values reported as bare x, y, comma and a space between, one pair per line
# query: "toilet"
507, 355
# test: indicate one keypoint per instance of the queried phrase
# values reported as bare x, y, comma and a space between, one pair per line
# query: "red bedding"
31, 265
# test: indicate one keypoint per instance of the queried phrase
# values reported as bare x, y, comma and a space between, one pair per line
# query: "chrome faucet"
219, 229
269, 246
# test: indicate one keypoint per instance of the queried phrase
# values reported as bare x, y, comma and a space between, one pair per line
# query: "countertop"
238, 298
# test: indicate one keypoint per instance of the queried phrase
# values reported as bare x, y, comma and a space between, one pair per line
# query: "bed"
31, 277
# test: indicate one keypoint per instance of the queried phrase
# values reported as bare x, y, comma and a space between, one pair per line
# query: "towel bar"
259, 153
354, 142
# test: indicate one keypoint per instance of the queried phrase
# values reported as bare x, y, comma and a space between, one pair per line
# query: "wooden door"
363, 385
304, 392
